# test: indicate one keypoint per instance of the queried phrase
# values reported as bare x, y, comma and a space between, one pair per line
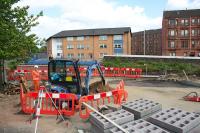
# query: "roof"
152, 31
181, 13
91, 32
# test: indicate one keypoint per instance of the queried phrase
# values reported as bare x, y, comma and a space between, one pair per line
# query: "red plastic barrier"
28, 100
116, 96
107, 71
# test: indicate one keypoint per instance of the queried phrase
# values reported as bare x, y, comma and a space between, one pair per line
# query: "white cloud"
183, 4
80, 14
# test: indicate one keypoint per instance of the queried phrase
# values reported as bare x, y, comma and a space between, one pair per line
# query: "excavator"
64, 77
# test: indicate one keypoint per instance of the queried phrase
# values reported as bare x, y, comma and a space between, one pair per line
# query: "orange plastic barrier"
28, 100
116, 96
107, 71
60, 99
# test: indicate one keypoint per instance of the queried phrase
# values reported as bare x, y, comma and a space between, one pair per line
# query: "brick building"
153, 42
181, 33
89, 44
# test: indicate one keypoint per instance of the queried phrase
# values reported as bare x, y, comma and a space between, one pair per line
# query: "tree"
41, 43
16, 41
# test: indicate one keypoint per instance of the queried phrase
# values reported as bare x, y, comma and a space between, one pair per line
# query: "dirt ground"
169, 94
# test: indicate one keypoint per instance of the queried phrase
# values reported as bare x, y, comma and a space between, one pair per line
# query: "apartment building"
150, 46
90, 44
181, 33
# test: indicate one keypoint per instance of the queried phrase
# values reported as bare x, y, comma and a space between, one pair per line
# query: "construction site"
108, 100
103, 66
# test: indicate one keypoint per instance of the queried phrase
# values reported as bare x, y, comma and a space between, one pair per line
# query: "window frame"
70, 38
102, 45
103, 37
80, 38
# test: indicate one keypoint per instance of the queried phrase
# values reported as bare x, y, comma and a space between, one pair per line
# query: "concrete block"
114, 107
176, 120
96, 129
139, 126
119, 117
142, 108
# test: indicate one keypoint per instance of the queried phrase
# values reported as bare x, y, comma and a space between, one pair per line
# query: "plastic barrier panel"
107, 71
64, 102
116, 96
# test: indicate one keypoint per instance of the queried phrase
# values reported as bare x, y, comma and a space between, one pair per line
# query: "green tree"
41, 43
16, 41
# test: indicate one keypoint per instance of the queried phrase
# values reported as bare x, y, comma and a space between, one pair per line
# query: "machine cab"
65, 73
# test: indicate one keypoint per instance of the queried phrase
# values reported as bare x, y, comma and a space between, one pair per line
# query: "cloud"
80, 14
183, 4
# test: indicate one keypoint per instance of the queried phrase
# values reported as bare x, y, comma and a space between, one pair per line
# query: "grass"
155, 66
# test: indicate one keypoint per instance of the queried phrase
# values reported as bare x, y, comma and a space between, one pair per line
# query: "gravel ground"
169, 94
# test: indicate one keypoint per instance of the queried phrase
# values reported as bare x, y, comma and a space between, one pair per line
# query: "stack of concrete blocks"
176, 120
142, 108
139, 126
101, 125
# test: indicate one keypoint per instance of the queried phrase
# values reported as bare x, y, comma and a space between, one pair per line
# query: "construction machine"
64, 77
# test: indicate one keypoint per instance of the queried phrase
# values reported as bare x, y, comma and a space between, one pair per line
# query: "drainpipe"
144, 44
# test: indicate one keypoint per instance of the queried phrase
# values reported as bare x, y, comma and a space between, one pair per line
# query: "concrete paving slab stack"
139, 126
101, 125
176, 120
142, 108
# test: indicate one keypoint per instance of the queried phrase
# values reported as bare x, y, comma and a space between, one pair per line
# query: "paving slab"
176, 120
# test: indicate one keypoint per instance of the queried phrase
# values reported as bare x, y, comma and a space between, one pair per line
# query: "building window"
59, 47
194, 43
171, 44
58, 40
70, 46
80, 46
172, 54
80, 55
117, 45
87, 46
184, 32
199, 21
172, 22
103, 37
70, 38
70, 55
59, 55
194, 21
118, 37
80, 38
90, 55
184, 22
87, 37
102, 54
194, 32
184, 44
171, 32
103, 46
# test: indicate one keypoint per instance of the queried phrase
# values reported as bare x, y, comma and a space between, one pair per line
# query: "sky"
140, 15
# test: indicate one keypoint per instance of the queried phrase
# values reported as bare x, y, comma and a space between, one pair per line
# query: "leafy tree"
16, 41
41, 43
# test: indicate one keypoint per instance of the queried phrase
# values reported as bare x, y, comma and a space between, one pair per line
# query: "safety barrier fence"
116, 96
28, 102
107, 71
68, 103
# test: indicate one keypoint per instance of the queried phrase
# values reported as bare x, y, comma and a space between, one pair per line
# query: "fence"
66, 102
107, 71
